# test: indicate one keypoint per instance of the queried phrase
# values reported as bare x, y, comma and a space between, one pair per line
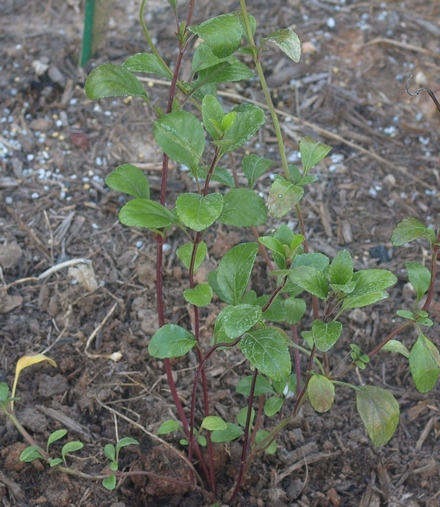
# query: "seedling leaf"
213, 422
283, 197
184, 253
325, 335
312, 152
168, 427
110, 80
146, 213
198, 212
124, 442
408, 230
273, 405
56, 435
30, 453
232, 432
286, 40
200, 295
254, 166
396, 346
424, 363
109, 482
171, 341
129, 179
110, 452
321, 393
73, 446
419, 277
55, 462
243, 207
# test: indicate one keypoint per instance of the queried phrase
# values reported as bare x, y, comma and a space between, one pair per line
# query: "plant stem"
434, 257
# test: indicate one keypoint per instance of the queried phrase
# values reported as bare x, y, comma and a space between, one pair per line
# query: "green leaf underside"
110, 80
129, 179
200, 295
286, 40
171, 341
254, 166
419, 277
243, 207
197, 212
181, 136
312, 152
267, 351
311, 280
283, 197
146, 63
146, 213
236, 320
325, 335
408, 230
321, 393
424, 363
396, 346
222, 34
379, 412
184, 253
262, 386
232, 432
235, 270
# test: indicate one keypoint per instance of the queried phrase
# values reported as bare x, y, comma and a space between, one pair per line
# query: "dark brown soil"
56, 147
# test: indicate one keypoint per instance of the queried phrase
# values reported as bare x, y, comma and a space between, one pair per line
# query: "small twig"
421, 90
116, 356
403, 45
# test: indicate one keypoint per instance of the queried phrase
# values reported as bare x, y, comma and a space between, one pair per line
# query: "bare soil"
56, 148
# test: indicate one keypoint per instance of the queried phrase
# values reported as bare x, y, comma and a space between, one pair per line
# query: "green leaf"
273, 244
295, 309
424, 363
56, 461
213, 422
275, 312
197, 212
30, 454
286, 40
124, 442
200, 295
321, 393
184, 253
267, 350
73, 446
201, 439
147, 214
146, 63
236, 320
110, 452
262, 386
113, 466
4, 391
341, 269
312, 152
252, 22
234, 271
273, 405
129, 179
232, 432
261, 435
379, 412
212, 113
396, 346
310, 279
171, 341
109, 482
249, 119
181, 136
111, 80
419, 277
369, 288
408, 230
223, 176
325, 335
227, 71
315, 260
283, 197
254, 166
168, 427
56, 435
242, 416
222, 34
243, 207
406, 314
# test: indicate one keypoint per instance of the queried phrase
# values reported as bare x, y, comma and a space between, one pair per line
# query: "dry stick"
403, 45
116, 355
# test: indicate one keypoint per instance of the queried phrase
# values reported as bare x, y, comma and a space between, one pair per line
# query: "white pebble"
35, 195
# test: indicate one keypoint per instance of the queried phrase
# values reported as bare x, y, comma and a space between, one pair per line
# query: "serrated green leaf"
273, 405
184, 253
312, 152
234, 272
283, 197
181, 136
321, 393
325, 335
286, 40
146, 63
267, 350
341, 269
232, 432
295, 309
110, 452
222, 34
262, 386
408, 230
198, 212
379, 412
236, 320
171, 341
146, 213
109, 482
213, 422
168, 427
129, 179
249, 119
30, 454
200, 295
110, 80
243, 207
254, 166
419, 277
56, 435
396, 346
73, 446
424, 363
311, 280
